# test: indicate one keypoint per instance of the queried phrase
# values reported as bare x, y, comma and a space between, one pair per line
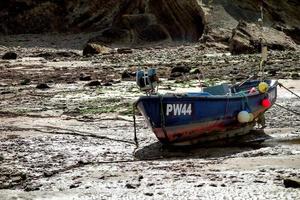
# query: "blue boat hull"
189, 119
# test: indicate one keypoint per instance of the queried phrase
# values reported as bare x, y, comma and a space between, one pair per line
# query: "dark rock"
42, 86
93, 83
84, 77
26, 81
6, 92
295, 75
272, 72
48, 174
181, 69
124, 50
10, 56
141, 177
29, 188
92, 48
199, 185
127, 75
1, 157
24, 176
213, 185
259, 181
75, 185
132, 186
107, 84
148, 194
175, 75
83, 162
291, 183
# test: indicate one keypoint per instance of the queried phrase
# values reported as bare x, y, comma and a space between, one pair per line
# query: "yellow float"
263, 87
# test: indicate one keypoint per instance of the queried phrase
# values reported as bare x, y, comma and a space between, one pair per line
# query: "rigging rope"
134, 127
280, 85
295, 112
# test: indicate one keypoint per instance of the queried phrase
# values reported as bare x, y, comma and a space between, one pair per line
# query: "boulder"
127, 75
84, 77
93, 83
42, 86
92, 48
181, 69
10, 56
291, 183
247, 38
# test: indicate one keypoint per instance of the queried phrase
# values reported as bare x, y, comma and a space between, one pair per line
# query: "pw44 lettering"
178, 109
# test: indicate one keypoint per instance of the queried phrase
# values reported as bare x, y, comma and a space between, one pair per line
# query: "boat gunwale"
213, 97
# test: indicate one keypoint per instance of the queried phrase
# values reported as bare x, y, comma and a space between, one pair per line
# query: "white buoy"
243, 117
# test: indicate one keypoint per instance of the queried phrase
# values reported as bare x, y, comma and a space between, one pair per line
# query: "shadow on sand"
216, 149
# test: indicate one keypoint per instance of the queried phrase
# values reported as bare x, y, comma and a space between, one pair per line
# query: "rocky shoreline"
66, 128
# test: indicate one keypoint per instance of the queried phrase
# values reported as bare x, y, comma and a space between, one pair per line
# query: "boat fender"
252, 90
251, 117
263, 87
266, 103
243, 117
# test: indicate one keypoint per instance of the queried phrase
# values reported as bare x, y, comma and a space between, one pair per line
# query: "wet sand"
73, 141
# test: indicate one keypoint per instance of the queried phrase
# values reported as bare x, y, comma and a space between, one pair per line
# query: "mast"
264, 49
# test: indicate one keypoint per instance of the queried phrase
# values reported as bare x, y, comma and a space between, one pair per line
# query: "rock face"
142, 22
139, 22
246, 38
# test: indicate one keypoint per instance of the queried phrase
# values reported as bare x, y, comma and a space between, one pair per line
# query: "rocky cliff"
133, 22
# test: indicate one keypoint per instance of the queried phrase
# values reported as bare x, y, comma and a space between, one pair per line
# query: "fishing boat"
215, 113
